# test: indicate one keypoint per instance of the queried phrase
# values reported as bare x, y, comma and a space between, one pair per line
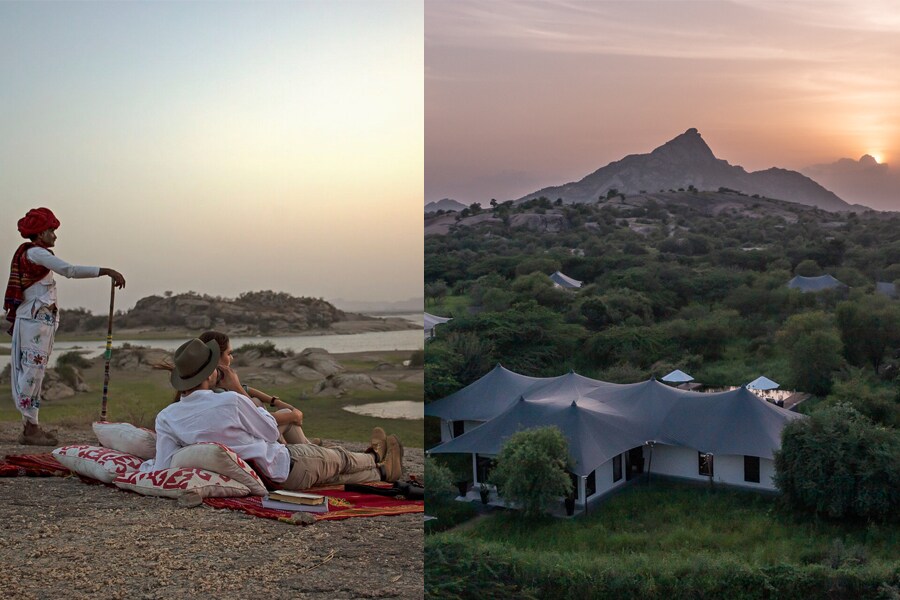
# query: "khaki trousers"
314, 465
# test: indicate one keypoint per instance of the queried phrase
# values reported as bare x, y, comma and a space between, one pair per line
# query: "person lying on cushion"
231, 419
289, 418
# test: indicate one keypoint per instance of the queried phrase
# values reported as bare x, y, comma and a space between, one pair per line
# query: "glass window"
617, 467
751, 469
458, 428
706, 464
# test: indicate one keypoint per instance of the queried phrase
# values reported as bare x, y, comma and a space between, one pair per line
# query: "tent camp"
618, 431
432, 321
887, 288
815, 284
564, 281
763, 383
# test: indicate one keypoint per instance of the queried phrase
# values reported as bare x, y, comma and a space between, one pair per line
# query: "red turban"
36, 221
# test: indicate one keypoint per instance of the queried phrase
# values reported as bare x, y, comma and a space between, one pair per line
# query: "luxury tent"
887, 288
677, 376
763, 384
432, 321
815, 284
617, 431
564, 281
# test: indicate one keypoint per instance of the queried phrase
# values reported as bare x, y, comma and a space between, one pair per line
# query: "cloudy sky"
219, 147
521, 95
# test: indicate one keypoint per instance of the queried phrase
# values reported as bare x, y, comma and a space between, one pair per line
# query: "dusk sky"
218, 147
523, 95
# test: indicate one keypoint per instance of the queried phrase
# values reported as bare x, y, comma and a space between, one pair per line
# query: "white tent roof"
677, 376
432, 320
564, 280
762, 383
601, 420
814, 284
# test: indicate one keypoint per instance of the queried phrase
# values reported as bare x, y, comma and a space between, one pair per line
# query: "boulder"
352, 381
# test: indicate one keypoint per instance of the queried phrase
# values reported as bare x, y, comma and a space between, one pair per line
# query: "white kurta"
36, 322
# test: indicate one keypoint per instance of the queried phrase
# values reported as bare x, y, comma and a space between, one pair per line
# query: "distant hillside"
412, 305
447, 205
687, 161
250, 313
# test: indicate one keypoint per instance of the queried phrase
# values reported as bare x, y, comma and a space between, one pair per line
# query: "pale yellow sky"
522, 95
219, 148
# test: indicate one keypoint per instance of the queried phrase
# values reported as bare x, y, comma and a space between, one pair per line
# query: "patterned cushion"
220, 459
125, 437
96, 462
175, 482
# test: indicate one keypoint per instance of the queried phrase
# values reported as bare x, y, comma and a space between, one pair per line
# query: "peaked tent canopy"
565, 281
483, 399
433, 320
814, 284
887, 288
677, 376
762, 383
601, 420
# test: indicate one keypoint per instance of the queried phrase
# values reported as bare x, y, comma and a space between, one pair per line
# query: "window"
617, 467
483, 466
751, 469
706, 464
458, 428
590, 486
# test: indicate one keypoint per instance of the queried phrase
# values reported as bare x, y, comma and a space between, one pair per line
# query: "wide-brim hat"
194, 362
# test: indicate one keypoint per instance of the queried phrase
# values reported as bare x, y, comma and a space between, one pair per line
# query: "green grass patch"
449, 306
137, 397
667, 541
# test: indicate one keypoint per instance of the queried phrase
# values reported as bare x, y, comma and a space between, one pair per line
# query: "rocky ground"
61, 538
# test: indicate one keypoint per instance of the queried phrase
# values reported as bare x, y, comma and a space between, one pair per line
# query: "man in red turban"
30, 304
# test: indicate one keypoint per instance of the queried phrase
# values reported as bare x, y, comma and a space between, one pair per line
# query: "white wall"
604, 479
678, 461
447, 428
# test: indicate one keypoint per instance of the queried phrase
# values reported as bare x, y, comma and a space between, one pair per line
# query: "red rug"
341, 504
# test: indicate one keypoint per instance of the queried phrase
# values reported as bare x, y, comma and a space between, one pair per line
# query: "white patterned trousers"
32, 342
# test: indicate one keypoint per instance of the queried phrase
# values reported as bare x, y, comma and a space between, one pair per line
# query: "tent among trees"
564, 281
432, 321
618, 431
815, 284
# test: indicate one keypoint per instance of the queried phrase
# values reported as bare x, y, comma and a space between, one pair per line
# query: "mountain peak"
688, 147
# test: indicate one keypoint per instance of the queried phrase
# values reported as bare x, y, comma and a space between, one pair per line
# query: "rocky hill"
687, 162
446, 205
251, 313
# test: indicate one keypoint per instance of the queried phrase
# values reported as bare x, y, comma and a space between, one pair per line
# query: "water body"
410, 339
398, 409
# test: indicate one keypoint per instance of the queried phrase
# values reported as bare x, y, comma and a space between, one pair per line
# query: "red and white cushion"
221, 459
125, 437
96, 462
175, 482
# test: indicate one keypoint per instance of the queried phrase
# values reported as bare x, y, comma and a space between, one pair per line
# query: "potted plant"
485, 492
463, 487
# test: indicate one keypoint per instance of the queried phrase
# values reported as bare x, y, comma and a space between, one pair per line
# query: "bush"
438, 482
266, 349
417, 359
839, 464
73, 359
530, 469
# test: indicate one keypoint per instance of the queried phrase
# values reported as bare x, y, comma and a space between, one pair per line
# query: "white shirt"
226, 418
43, 292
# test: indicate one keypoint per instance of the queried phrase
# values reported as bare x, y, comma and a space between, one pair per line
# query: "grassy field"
669, 540
137, 397
448, 305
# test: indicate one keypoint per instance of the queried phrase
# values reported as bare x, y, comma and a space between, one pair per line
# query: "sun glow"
878, 156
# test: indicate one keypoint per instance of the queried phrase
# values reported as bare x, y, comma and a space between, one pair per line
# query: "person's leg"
315, 465
31, 346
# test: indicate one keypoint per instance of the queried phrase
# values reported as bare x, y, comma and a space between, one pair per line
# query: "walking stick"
108, 354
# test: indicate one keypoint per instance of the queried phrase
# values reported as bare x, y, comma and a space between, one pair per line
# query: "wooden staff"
108, 354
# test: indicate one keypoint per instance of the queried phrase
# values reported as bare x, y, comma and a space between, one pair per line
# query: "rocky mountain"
446, 204
687, 161
250, 313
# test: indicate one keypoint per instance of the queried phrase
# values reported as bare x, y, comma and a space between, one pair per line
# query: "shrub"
438, 482
417, 359
530, 469
838, 464
265, 349
73, 359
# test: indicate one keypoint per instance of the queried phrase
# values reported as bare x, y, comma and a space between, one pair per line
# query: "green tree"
870, 326
839, 464
531, 469
808, 268
814, 350
438, 482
